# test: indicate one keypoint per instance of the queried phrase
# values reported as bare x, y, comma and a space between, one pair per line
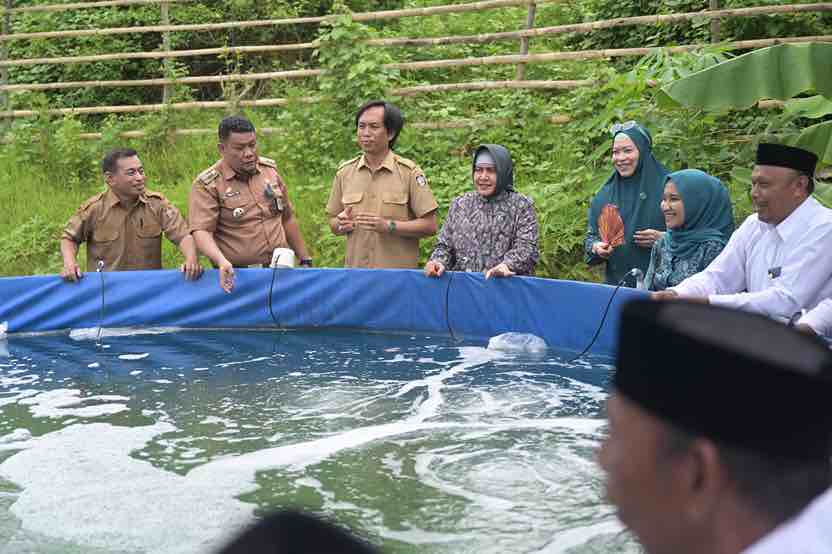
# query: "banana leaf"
777, 72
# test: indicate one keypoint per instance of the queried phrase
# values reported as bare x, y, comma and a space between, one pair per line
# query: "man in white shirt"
808, 533
777, 263
716, 441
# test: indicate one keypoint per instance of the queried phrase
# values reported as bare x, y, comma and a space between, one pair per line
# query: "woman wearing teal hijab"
635, 188
700, 220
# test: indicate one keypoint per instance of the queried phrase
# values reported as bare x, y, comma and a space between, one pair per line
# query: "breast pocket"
235, 210
352, 199
394, 205
148, 237
105, 243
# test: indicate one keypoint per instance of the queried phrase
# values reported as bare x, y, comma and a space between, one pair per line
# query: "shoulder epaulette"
268, 162
154, 194
342, 165
208, 176
89, 202
410, 164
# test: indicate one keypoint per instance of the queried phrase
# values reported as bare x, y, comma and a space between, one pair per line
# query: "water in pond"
167, 442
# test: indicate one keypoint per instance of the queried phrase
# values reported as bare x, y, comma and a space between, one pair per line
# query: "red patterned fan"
611, 226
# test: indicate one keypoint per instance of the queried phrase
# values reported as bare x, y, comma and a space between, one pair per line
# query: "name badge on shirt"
232, 193
775, 272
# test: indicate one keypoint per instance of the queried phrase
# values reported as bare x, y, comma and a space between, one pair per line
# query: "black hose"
603, 319
447, 310
100, 271
271, 287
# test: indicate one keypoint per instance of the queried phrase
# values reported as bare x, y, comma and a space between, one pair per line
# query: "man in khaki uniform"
379, 200
123, 226
239, 210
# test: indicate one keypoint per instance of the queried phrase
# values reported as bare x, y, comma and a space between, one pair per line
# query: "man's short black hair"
234, 124
109, 164
293, 532
393, 119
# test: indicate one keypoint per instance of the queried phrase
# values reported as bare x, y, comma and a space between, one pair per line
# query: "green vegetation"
46, 170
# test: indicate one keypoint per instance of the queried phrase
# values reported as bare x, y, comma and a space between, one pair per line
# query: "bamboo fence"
524, 34
520, 60
510, 59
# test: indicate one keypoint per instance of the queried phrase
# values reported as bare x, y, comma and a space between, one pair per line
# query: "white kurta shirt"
776, 270
808, 533
820, 318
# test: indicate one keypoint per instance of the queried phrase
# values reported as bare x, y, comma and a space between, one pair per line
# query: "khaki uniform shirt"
397, 190
247, 224
125, 238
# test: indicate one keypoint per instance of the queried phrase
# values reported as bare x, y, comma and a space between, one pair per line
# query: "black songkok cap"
787, 156
734, 377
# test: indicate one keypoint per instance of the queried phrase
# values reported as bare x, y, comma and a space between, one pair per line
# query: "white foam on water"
249, 361
136, 372
200, 369
94, 365
568, 539
17, 380
91, 333
414, 535
17, 396
161, 381
60, 500
141, 356
68, 402
18, 435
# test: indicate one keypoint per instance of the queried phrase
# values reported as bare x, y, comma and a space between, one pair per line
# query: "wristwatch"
306, 262
391, 226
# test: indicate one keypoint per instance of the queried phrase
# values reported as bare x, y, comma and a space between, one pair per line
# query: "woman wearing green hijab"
635, 188
699, 218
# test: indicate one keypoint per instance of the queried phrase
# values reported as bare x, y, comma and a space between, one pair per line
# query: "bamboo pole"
424, 125
491, 85
524, 42
593, 54
460, 39
364, 16
119, 56
4, 53
144, 108
713, 5
195, 80
415, 66
164, 19
603, 24
81, 5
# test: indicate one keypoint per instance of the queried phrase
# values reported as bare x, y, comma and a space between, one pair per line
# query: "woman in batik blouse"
699, 218
492, 228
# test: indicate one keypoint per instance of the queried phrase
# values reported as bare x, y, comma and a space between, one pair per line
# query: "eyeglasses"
616, 128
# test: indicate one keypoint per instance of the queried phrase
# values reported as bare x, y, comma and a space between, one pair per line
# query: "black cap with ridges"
787, 156
734, 377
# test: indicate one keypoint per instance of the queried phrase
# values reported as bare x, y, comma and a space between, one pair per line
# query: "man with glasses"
777, 263
239, 210
123, 226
